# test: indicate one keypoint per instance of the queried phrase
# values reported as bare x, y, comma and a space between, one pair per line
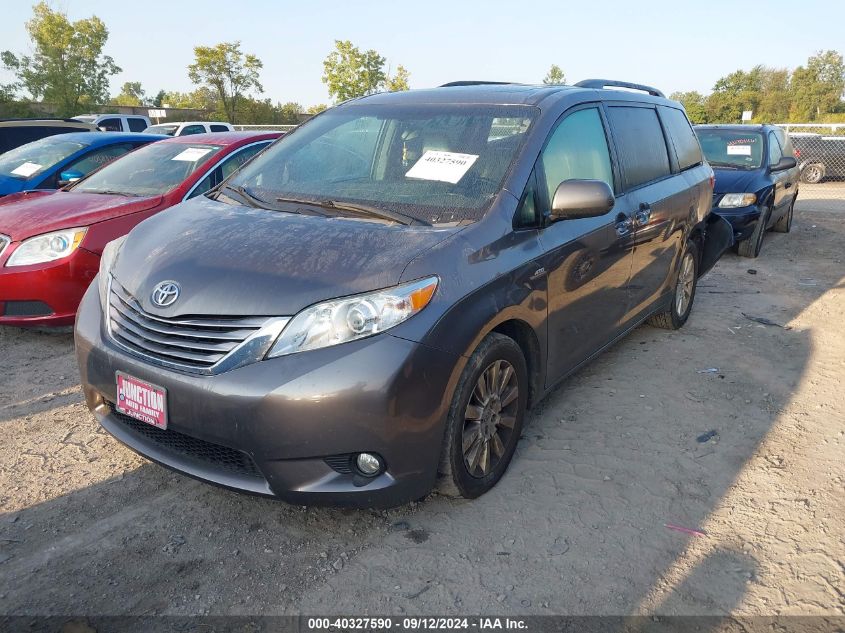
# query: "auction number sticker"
443, 166
26, 170
192, 154
739, 150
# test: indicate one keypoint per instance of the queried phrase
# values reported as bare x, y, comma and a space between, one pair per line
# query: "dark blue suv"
756, 180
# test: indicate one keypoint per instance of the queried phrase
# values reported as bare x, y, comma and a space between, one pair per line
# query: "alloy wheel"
490, 418
685, 285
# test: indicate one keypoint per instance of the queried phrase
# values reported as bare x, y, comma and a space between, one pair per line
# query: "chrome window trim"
222, 160
251, 350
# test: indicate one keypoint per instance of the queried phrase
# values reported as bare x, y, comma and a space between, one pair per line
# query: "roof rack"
604, 83
452, 84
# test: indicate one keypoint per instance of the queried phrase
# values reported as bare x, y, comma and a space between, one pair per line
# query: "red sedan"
51, 241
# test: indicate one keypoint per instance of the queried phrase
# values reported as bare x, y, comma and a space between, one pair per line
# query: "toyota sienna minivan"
368, 308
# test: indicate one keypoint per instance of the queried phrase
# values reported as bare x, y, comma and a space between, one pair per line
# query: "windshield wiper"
728, 165
360, 209
108, 192
251, 199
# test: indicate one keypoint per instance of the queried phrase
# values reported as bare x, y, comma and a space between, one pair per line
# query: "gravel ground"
577, 526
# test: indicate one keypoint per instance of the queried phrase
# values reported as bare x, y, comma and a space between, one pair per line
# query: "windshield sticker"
443, 166
739, 150
192, 154
26, 170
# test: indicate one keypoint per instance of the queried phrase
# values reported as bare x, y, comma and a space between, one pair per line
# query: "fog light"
368, 464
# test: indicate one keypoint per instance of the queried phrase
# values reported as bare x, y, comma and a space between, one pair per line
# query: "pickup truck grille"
196, 343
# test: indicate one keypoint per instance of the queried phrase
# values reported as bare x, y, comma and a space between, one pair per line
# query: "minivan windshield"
731, 148
151, 170
29, 160
433, 163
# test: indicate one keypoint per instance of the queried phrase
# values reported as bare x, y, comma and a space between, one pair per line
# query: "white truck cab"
116, 122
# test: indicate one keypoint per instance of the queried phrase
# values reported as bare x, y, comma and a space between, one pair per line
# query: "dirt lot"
576, 527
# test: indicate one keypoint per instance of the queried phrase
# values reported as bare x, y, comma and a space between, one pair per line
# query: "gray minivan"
368, 308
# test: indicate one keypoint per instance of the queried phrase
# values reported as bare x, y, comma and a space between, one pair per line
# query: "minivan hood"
32, 213
239, 261
738, 180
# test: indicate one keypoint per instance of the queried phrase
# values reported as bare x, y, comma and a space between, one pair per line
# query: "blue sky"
678, 45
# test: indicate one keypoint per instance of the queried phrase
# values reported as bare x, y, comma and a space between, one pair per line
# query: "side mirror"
581, 199
67, 177
786, 162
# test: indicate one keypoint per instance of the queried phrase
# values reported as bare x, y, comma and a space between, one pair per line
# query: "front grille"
193, 343
4, 242
218, 457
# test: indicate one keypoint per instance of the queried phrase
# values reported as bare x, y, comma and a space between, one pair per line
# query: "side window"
98, 157
111, 125
775, 153
640, 142
229, 166
219, 128
527, 213
683, 138
577, 149
192, 129
136, 124
785, 142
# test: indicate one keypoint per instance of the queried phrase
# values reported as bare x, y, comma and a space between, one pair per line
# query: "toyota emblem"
165, 294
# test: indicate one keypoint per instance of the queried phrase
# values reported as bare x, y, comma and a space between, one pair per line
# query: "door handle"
643, 215
624, 224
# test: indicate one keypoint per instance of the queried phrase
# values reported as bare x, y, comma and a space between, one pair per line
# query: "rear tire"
784, 224
754, 244
485, 419
674, 316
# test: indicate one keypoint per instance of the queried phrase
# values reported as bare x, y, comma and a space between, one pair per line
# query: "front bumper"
284, 426
45, 295
742, 219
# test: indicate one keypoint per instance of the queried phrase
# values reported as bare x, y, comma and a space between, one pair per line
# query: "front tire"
674, 317
485, 419
784, 224
754, 244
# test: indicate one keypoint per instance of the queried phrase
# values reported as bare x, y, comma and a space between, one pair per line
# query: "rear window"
219, 128
683, 138
12, 137
640, 142
164, 128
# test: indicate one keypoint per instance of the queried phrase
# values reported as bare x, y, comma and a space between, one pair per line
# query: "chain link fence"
820, 152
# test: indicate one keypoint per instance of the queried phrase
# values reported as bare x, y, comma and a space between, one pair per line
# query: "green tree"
733, 94
555, 76
694, 103
316, 109
158, 99
67, 66
399, 81
817, 87
348, 72
131, 94
227, 70
288, 113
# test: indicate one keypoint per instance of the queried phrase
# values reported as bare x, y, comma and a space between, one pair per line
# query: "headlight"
735, 200
347, 319
46, 248
107, 260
